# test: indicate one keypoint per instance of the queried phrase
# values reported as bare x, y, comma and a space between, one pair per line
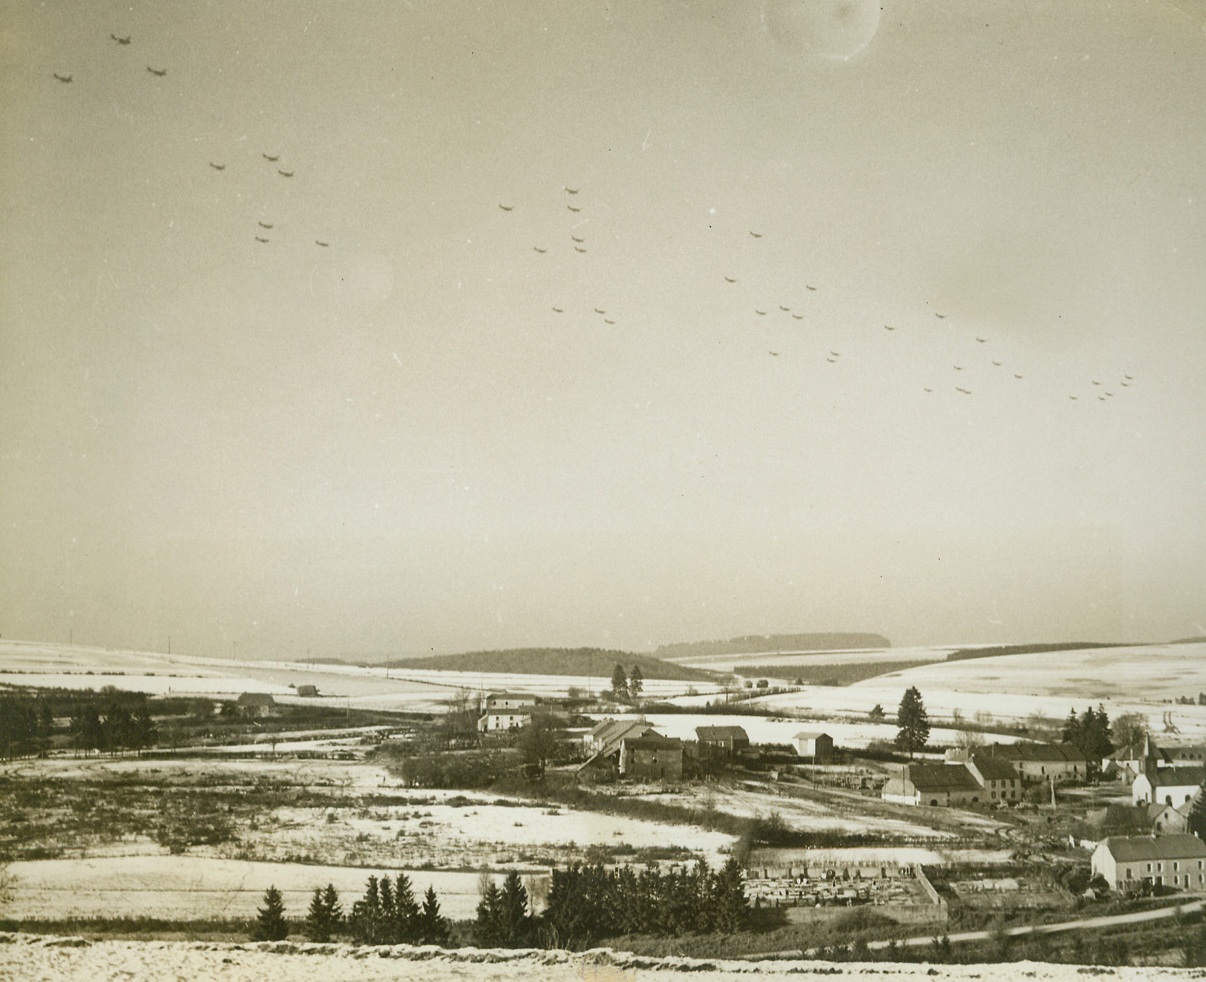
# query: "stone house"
651, 757
934, 785
1168, 785
1042, 762
721, 740
1128, 862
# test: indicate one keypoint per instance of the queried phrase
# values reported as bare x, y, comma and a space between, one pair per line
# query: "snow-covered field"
199, 887
1142, 678
28, 957
842, 656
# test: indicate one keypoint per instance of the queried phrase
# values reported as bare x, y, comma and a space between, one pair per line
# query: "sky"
600, 323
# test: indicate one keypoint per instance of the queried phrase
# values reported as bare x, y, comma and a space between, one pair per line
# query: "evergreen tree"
270, 923
913, 723
513, 918
486, 930
1071, 730
619, 682
324, 916
432, 928
406, 912
636, 682
364, 921
729, 898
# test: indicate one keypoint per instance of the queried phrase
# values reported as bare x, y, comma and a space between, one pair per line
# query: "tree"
1197, 814
486, 929
270, 923
405, 913
913, 723
538, 742
877, 713
325, 915
636, 682
432, 928
619, 683
1130, 729
513, 920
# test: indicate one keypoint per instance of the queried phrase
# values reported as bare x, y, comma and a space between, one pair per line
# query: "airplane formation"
125, 41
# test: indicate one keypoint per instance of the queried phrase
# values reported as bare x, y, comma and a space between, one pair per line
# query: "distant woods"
106, 721
772, 643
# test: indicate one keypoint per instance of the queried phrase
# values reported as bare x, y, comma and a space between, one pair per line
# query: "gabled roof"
809, 735
1177, 777
721, 733
256, 699
609, 735
942, 777
994, 768
1034, 753
1129, 848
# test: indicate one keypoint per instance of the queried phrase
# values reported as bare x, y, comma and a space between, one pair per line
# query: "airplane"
958, 368
606, 321
982, 340
889, 327
807, 287
997, 363
217, 166
259, 239
63, 78
966, 392
576, 239
579, 249
836, 354
263, 225
775, 353
927, 390
285, 173
506, 207
558, 310
784, 309
598, 311
760, 313
1125, 385
271, 160
572, 190
160, 72
798, 317
539, 250
1017, 376
1128, 378
323, 244
832, 361
573, 209
1095, 382
941, 317
756, 235
1072, 397
730, 279
122, 41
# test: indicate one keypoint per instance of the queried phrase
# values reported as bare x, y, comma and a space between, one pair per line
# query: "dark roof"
942, 777
721, 733
1056, 753
1128, 848
1171, 777
809, 735
994, 768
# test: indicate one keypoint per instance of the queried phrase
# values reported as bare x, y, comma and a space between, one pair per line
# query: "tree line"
110, 720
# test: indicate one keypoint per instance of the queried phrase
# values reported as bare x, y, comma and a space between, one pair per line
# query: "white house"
1129, 861
1168, 786
501, 702
501, 722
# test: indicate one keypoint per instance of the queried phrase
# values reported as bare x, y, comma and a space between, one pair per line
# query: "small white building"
501, 702
818, 746
1168, 786
502, 722
1128, 862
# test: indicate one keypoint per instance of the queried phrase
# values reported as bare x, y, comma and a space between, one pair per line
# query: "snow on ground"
1010, 688
29, 956
196, 887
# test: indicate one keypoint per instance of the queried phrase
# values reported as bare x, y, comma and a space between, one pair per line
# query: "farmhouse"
1054, 762
1169, 785
502, 722
501, 702
1127, 763
996, 777
252, 704
934, 785
605, 737
818, 746
307, 691
723, 740
651, 757
1128, 862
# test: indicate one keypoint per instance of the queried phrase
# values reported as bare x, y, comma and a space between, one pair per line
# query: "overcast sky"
423, 436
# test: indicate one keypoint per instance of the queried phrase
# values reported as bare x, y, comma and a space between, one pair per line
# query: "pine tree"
486, 930
364, 922
636, 682
619, 682
513, 918
406, 912
270, 923
432, 928
1197, 814
913, 723
318, 927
